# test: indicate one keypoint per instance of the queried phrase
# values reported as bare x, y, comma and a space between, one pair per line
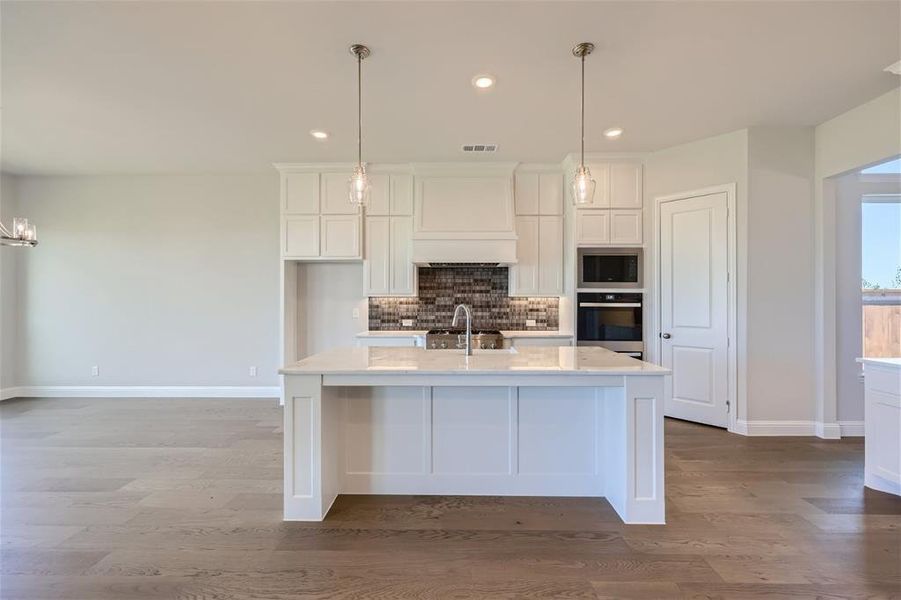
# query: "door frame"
731, 293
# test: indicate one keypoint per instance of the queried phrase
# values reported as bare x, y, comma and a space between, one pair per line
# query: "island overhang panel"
537, 422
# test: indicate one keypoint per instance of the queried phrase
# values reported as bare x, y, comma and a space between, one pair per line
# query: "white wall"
327, 295
159, 280
848, 305
712, 161
865, 135
780, 275
9, 269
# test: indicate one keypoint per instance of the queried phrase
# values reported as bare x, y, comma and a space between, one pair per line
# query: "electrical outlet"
530, 322
406, 322
253, 371
356, 313
95, 371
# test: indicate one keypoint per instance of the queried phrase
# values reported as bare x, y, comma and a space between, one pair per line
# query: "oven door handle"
609, 304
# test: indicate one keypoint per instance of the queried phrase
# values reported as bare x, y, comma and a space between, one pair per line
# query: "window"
881, 275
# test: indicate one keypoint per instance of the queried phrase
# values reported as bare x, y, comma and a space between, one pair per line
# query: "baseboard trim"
141, 391
829, 431
774, 428
10, 392
851, 428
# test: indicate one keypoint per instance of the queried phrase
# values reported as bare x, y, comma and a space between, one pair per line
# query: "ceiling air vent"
479, 147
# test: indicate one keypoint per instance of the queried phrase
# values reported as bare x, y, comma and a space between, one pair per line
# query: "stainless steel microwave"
610, 267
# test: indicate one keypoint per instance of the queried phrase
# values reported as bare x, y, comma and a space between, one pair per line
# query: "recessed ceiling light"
613, 132
483, 82
319, 135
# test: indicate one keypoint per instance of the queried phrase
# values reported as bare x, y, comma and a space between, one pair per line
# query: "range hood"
464, 215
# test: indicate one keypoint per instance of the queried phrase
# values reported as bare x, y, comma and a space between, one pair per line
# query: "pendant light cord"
359, 111
582, 111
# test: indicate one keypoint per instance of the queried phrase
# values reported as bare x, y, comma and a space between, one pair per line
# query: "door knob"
665, 336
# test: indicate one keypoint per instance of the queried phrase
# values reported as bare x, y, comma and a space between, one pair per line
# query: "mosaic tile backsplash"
484, 289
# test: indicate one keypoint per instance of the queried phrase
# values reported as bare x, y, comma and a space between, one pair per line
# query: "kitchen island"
537, 421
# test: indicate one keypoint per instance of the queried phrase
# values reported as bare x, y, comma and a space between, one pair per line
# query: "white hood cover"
464, 214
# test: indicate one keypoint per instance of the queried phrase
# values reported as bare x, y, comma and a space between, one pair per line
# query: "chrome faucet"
468, 326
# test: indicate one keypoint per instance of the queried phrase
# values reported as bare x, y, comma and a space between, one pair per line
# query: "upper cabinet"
614, 216
300, 194
388, 268
617, 185
538, 193
625, 185
318, 222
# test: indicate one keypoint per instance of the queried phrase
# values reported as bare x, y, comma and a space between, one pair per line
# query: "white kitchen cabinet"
600, 172
524, 274
379, 194
538, 193
592, 227
339, 236
625, 185
525, 193
377, 258
550, 194
391, 341
514, 341
300, 236
403, 271
334, 195
388, 269
550, 256
539, 255
300, 194
625, 227
401, 189
617, 185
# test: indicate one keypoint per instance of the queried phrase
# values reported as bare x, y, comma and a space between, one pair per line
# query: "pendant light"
358, 187
23, 233
583, 184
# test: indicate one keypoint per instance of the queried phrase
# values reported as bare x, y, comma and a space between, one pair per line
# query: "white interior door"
694, 292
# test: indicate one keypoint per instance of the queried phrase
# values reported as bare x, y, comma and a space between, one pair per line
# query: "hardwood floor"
153, 499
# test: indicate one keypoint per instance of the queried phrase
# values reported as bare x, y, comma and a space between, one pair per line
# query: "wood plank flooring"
154, 499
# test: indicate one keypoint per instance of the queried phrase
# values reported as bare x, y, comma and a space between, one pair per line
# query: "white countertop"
533, 360
506, 333
882, 362
394, 333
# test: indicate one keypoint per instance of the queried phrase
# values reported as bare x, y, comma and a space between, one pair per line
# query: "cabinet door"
550, 194
300, 237
625, 227
335, 199
592, 226
377, 263
300, 194
340, 236
403, 271
625, 185
524, 274
402, 195
526, 193
550, 256
600, 172
379, 195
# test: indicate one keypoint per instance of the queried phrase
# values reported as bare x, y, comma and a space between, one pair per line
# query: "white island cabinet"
882, 424
537, 421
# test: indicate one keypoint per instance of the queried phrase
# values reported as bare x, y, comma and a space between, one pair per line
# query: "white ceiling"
133, 87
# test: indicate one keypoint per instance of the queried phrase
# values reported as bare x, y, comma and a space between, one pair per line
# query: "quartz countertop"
532, 360
882, 362
509, 333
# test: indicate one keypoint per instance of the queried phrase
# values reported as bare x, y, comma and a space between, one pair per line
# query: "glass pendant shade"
358, 187
583, 186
